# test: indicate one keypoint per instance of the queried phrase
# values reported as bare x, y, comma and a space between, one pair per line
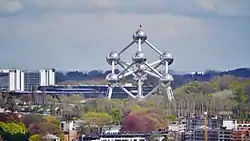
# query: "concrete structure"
140, 68
71, 125
91, 91
22, 80
226, 130
116, 137
240, 135
111, 129
230, 124
47, 77
16, 80
225, 135
50, 137
195, 129
193, 123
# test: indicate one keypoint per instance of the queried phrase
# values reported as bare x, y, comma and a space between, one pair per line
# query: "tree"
224, 82
11, 104
35, 137
44, 128
13, 131
98, 119
9, 117
26, 98
116, 115
31, 119
53, 120
1, 139
133, 123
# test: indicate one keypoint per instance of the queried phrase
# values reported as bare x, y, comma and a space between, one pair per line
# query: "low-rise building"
50, 137
116, 137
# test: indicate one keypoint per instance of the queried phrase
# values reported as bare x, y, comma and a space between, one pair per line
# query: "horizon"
104, 70
79, 34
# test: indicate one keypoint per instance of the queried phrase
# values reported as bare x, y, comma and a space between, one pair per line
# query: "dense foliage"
225, 95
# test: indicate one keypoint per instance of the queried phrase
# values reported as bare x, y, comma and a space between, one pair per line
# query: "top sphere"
140, 34
166, 56
113, 56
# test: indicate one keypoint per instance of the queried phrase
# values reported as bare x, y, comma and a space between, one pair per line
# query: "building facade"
22, 80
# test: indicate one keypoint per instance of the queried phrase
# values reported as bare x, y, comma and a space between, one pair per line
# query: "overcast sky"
78, 34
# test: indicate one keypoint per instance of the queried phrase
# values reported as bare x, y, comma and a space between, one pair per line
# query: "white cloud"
80, 33
227, 7
9, 6
190, 7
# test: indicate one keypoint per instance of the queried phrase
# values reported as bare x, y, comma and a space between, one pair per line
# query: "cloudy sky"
78, 34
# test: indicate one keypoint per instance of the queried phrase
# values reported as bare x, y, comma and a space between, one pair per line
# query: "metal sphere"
166, 78
140, 34
112, 78
113, 56
166, 56
141, 67
139, 73
135, 78
139, 57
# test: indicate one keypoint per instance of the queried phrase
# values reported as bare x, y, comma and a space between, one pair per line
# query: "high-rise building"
47, 77
16, 80
22, 80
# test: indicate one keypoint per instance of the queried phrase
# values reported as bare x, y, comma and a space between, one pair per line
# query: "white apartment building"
23, 80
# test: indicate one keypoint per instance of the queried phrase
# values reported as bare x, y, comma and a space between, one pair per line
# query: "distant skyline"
78, 34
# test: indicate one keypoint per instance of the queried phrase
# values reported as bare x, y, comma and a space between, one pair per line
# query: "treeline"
179, 79
14, 127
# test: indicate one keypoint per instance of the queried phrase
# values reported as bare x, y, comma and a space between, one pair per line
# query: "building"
240, 135
16, 80
226, 135
34, 79
197, 134
195, 129
230, 124
70, 125
70, 128
116, 137
194, 122
22, 80
92, 91
50, 137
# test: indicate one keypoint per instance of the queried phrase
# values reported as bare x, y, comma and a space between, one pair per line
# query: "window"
62, 126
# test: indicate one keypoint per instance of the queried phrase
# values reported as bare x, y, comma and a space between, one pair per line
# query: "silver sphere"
140, 67
139, 57
113, 56
140, 34
166, 78
166, 56
112, 78
139, 73
136, 78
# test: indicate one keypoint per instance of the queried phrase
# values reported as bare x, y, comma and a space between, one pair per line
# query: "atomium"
167, 57
140, 34
112, 78
113, 57
139, 57
166, 79
140, 69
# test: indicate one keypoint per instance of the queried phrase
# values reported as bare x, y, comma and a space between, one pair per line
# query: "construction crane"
205, 126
